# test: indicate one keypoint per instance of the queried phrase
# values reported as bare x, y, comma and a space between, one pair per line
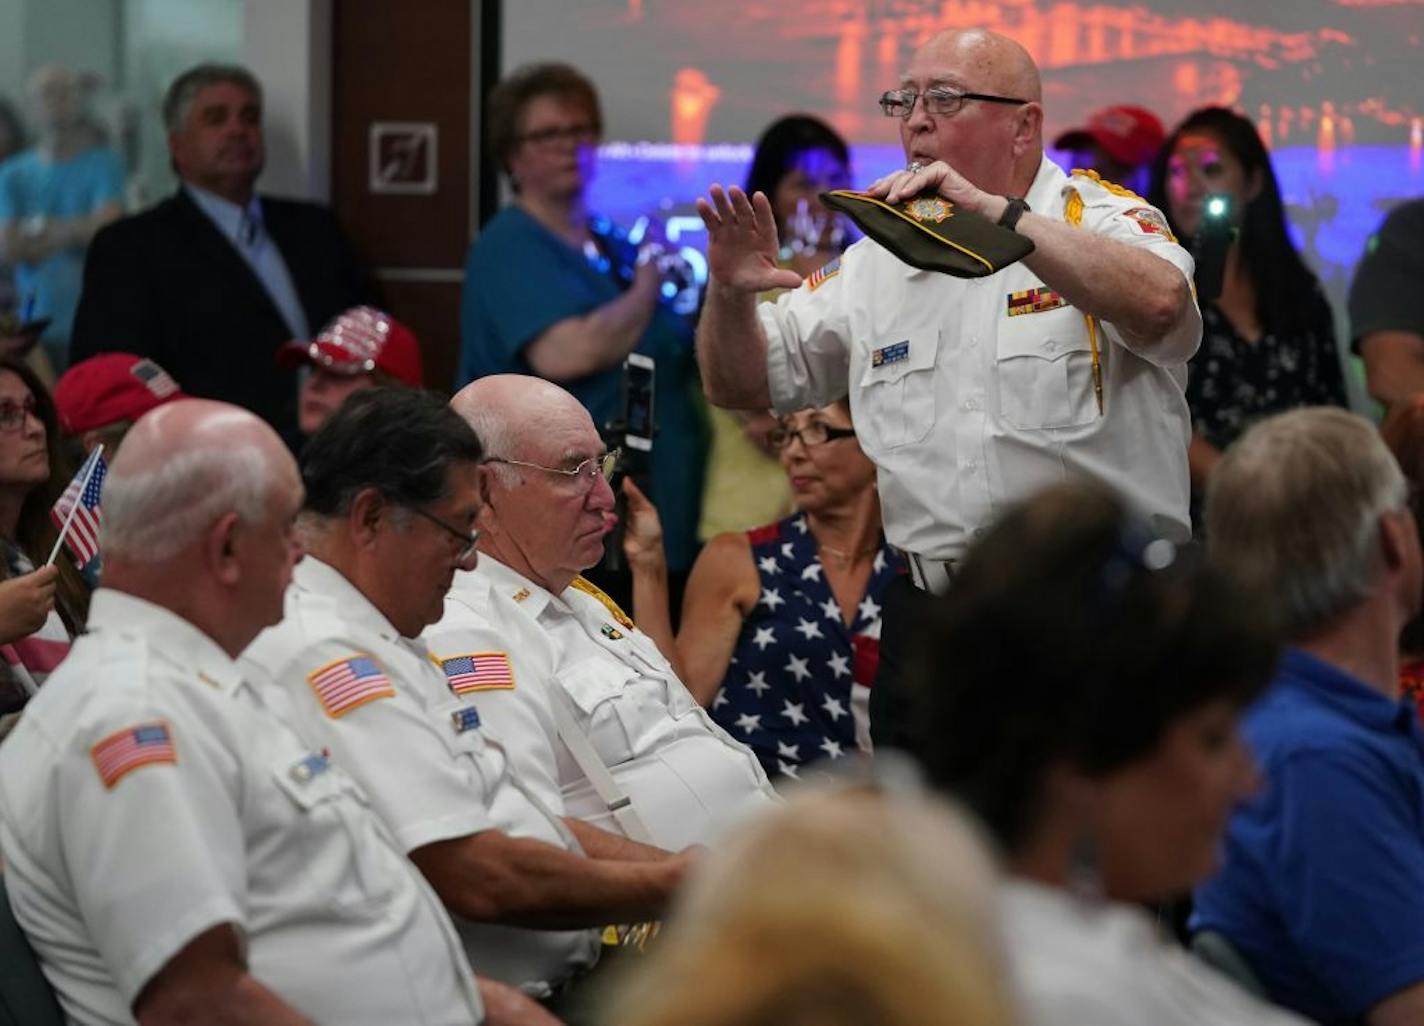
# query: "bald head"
182, 466
191, 424
512, 411
989, 62
996, 145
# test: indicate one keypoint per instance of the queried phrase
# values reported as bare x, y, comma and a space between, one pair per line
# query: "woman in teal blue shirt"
554, 291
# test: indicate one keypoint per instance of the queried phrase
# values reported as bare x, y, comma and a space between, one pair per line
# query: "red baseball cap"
1130, 135
111, 387
361, 340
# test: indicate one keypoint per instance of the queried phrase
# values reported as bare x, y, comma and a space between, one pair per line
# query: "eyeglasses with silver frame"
900, 103
586, 473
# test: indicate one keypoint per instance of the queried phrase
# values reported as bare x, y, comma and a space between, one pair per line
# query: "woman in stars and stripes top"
781, 625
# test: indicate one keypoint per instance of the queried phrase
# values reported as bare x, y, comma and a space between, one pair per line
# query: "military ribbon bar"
1034, 301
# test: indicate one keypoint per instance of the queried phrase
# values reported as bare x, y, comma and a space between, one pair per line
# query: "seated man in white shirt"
392, 498
175, 852
589, 709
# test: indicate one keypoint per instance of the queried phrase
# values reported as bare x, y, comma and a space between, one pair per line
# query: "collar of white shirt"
228, 216
312, 575
123, 615
506, 582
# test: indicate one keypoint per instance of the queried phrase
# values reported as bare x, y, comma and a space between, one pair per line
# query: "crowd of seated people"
345, 719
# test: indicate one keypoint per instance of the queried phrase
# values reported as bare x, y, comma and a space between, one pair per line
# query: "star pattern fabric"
788, 689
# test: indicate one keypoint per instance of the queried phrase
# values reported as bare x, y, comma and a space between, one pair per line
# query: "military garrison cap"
931, 233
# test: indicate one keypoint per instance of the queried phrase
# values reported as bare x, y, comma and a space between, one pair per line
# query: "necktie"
250, 226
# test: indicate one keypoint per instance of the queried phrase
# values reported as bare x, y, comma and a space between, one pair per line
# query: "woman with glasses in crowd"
1080, 689
1268, 340
41, 610
781, 625
555, 290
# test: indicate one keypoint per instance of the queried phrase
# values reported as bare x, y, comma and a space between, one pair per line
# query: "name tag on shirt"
314, 765
890, 354
1031, 301
465, 719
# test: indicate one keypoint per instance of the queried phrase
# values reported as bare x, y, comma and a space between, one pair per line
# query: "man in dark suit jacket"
210, 282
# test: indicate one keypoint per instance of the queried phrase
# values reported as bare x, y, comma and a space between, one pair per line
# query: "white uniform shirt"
417, 748
120, 848
687, 779
1075, 962
965, 408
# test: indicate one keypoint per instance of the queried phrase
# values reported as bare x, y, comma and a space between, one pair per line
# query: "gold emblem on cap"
930, 208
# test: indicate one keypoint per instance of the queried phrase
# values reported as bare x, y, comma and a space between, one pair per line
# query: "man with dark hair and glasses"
594, 716
970, 394
392, 497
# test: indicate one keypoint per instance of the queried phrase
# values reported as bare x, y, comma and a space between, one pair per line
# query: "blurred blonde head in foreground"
846, 906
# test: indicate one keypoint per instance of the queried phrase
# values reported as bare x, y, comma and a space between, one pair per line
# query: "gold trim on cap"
911, 221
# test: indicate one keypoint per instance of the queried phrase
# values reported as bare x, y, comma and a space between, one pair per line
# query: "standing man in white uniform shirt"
392, 499
969, 394
173, 850
592, 712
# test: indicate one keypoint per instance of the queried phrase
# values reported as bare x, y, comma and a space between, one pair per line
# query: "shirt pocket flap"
897, 359
313, 781
1050, 335
594, 681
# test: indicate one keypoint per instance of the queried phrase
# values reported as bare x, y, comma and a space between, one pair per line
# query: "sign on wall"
402, 157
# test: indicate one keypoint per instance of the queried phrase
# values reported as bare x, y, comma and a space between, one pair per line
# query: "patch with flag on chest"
1031, 301
349, 683
477, 671
126, 750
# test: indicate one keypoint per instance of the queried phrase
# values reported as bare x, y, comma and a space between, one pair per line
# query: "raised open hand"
742, 245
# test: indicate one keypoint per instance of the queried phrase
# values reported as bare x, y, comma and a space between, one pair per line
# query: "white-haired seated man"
590, 710
173, 850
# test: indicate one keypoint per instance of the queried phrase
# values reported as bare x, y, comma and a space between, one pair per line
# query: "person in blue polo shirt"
1322, 883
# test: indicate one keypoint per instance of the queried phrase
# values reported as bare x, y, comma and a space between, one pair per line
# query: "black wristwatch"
1010, 217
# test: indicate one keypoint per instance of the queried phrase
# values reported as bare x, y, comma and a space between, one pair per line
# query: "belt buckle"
930, 575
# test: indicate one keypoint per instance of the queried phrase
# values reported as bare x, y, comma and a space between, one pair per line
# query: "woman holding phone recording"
555, 290
1268, 340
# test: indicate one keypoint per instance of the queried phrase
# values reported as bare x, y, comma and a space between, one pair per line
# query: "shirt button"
970, 463
969, 404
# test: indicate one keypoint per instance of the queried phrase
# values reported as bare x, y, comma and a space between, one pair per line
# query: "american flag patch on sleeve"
823, 274
122, 752
348, 683
477, 671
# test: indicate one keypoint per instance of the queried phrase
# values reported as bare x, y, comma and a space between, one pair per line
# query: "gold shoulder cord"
1073, 214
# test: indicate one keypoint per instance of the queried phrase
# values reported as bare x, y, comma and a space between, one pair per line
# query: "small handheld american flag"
76, 514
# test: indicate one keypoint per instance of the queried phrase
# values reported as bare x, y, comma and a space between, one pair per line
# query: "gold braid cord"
1112, 187
1073, 214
